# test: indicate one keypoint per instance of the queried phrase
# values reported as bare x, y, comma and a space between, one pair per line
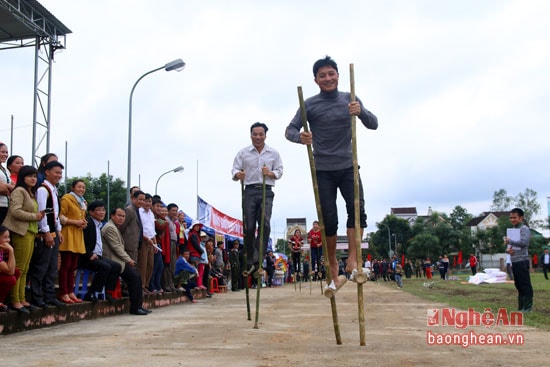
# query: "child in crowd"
398, 274
8, 272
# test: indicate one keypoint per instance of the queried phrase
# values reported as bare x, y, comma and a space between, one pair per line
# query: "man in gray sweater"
329, 115
519, 254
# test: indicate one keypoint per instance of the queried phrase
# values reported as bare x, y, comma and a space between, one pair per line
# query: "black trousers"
296, 261
270, 272
132, 278
190, 285
43, 270
107, 273
545, 270
253, 214
522, 279
235, 274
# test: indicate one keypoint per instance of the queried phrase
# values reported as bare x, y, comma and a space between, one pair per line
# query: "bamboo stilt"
330, 293
335, 323
310, 281
360, 277
245, 256
260, 257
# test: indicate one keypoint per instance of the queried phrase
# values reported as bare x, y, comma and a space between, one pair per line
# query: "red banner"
220, 222
226, 224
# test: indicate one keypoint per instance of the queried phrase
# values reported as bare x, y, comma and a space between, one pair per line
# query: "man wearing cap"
254, 165
194, 241
203, 264
235, 266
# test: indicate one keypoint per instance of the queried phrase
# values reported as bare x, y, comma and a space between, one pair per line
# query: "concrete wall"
12, 321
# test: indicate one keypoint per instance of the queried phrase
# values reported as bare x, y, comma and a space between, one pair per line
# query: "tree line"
442, 233
111, 191
432, 236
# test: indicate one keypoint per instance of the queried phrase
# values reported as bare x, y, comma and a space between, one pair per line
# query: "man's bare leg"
352, 250
337, 281
332, 262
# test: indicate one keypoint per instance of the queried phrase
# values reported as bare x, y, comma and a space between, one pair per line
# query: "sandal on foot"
353, 276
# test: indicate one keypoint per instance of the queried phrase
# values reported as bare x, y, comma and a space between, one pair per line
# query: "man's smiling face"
327, 78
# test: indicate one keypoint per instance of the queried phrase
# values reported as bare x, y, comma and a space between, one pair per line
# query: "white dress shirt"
252, 161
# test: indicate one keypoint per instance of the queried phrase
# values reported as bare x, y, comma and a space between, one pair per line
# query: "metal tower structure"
26, 23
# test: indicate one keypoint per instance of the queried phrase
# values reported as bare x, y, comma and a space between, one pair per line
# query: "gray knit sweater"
521, 247
330, 123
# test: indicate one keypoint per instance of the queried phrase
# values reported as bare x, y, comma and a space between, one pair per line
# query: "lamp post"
395, 241
177, 65
177, 169
389, 237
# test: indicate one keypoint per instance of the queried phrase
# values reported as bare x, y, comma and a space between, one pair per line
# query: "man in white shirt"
367, 264
43, 266
252, 165
147, 251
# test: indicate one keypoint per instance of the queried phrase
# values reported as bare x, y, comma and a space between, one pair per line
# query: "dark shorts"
329, 182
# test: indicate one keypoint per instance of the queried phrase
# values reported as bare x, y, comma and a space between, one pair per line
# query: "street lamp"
389, 237
177, 65
177, 169
395, 242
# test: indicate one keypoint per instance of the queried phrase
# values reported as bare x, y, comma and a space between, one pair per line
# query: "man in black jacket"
107, 271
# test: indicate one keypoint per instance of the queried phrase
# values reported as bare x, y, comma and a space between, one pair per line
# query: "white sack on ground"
489, 277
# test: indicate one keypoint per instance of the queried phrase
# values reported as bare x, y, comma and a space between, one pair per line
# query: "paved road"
295, 330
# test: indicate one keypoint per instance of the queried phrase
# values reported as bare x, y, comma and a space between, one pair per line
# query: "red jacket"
296, 243
163, 238
194, 243
314, 238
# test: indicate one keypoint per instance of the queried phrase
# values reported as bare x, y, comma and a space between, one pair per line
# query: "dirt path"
295, 330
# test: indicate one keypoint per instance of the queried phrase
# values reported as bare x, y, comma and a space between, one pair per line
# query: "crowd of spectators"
145, 247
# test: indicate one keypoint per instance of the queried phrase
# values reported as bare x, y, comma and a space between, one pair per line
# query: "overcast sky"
461, 90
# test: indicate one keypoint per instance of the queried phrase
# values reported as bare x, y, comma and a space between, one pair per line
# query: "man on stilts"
328, 114
258, 166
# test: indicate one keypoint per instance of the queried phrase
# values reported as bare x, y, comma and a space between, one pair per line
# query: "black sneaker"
139, 312
57, 303
40, 304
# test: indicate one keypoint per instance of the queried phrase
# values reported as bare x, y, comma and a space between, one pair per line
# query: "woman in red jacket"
295, 243
195, 250
316, 246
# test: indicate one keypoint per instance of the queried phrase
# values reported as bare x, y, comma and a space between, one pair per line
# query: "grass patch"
480, 297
